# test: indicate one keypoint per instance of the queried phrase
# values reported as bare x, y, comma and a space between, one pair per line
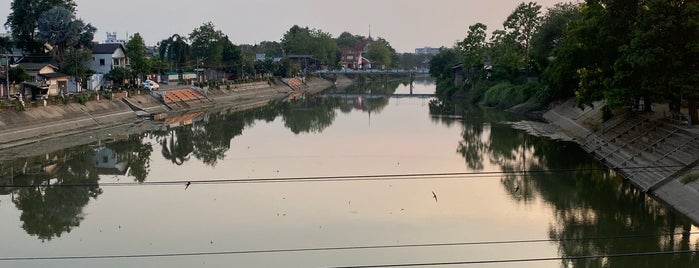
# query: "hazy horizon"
405, 24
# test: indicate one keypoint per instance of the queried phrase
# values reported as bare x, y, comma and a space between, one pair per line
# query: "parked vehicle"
150, 85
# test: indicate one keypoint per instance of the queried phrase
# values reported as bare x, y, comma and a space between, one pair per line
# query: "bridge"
375, 96
392, 71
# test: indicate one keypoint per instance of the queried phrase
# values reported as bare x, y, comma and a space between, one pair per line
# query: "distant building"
353, 57
112, 39
107, 56
260, 57
307, 62
427, 50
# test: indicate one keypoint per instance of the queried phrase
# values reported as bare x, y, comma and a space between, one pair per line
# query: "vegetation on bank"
51, 30
627, 53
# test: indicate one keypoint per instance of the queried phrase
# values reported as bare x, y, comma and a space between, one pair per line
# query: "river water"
353, 177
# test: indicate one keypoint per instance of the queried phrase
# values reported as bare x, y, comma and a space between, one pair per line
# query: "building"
307, 62
427, 51
106, 57
353, 58
44, 79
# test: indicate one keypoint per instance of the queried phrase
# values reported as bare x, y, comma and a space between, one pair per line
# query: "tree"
137, 52
176, 51
5, 45
305, 41
18, 75
23, 21
207, 47
550, 32
348, 40
474, 46
522, 24
118, 75
380, 55
76, 62
231, 56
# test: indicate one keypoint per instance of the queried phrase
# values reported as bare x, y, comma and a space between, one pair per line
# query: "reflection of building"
107, 162
184, 119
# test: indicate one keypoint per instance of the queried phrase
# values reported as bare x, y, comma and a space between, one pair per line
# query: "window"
101, 62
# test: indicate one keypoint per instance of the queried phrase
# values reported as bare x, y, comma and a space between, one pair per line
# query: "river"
352, 178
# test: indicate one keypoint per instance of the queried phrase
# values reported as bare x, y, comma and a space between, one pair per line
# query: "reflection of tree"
136, 153
177, 146
312, 115
213, 138
587, 202
52, 209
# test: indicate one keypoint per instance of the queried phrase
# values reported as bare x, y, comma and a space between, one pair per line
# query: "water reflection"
588, 200
50, 205
583, 200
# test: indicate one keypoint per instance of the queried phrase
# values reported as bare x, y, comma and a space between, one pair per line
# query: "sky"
406, 24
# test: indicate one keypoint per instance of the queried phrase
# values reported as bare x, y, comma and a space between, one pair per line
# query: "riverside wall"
649, 152
56, 126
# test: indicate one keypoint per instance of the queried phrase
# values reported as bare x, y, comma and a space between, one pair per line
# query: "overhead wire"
294, 250
563, 258
339, 178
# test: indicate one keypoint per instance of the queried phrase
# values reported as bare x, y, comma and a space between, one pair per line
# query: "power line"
564, 258
341, 178
125, 256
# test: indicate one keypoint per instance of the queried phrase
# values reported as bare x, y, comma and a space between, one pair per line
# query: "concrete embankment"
43, 126
652, 153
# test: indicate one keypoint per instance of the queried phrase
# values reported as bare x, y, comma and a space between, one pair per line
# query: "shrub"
690, 177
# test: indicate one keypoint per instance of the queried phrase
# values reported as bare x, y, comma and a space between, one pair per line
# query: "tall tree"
137, 52
474, 46
380, 55
58, 28
522, 24
76, 62
207, 47
231, 56
23, 21
348, 40
176, 51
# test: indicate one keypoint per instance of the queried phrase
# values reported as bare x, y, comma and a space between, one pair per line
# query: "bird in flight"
434, 196
187, 185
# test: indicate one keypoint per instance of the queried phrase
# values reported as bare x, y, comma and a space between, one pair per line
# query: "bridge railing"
392, 71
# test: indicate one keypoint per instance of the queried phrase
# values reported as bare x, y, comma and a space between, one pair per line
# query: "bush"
506, 95
690, 177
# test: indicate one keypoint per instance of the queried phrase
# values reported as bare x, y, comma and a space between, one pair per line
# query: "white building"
427, 50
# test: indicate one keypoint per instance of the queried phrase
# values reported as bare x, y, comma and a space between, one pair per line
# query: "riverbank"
54, 127
650, 152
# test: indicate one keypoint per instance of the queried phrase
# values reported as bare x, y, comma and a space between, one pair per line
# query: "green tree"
23, 21
207, 47
380, 55
58, 28
551, 32
231, 56
18, 75
118, 75
522, 25
305, 41
137, 52
76, 62
474, 47
348, 40
176, 51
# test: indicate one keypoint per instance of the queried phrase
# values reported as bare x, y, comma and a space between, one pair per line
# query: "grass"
690, 177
